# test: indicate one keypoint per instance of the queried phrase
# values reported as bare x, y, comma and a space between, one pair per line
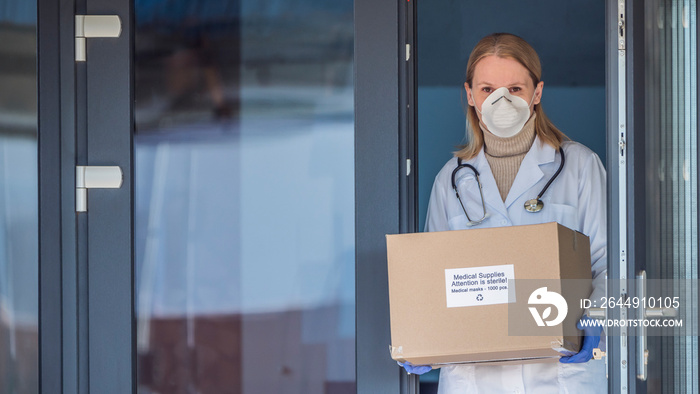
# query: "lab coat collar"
530, 173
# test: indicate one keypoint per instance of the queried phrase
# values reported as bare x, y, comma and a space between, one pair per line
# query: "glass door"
669, 363
252, 138
223, 258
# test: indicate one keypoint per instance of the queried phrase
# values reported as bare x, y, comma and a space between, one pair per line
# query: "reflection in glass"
672, 180
244, 216
19, 350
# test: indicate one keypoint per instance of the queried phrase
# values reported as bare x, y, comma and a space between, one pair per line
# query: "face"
493, 72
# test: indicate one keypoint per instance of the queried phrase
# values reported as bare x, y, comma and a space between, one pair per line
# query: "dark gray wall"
568, 36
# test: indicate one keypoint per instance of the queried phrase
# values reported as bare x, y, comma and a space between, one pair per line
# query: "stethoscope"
533, 205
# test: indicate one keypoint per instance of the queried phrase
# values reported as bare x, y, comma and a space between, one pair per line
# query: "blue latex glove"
591, 340
415, 369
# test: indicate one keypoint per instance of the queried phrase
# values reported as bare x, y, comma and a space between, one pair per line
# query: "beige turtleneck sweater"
505, 154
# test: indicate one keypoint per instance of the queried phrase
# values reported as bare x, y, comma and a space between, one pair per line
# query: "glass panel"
19, 261
244, 217
672, 179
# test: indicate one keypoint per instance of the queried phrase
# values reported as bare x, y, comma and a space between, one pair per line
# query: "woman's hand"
415, 369
591, 340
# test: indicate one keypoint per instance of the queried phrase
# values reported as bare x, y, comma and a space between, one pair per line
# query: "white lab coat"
576, 199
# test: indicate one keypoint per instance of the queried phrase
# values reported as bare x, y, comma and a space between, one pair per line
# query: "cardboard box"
448, 304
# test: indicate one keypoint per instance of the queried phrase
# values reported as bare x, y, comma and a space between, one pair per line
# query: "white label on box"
478, 285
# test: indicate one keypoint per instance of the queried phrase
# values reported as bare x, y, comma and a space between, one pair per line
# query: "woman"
516, 151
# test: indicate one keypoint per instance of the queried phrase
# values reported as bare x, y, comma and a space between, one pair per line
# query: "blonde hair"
510, 46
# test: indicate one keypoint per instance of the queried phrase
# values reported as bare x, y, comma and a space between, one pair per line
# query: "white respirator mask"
503, 114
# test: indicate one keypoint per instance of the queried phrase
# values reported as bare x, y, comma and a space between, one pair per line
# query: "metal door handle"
642, 352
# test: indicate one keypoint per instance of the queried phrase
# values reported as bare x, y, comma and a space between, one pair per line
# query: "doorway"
571, 46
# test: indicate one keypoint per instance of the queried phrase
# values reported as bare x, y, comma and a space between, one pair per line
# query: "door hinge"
95, 177
94, 26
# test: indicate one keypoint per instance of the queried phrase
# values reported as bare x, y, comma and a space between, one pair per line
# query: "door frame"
86, 314
634, 117
58, 331
385, 197
616, 71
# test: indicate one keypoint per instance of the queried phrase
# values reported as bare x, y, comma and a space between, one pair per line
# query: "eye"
486, 90
515, 89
